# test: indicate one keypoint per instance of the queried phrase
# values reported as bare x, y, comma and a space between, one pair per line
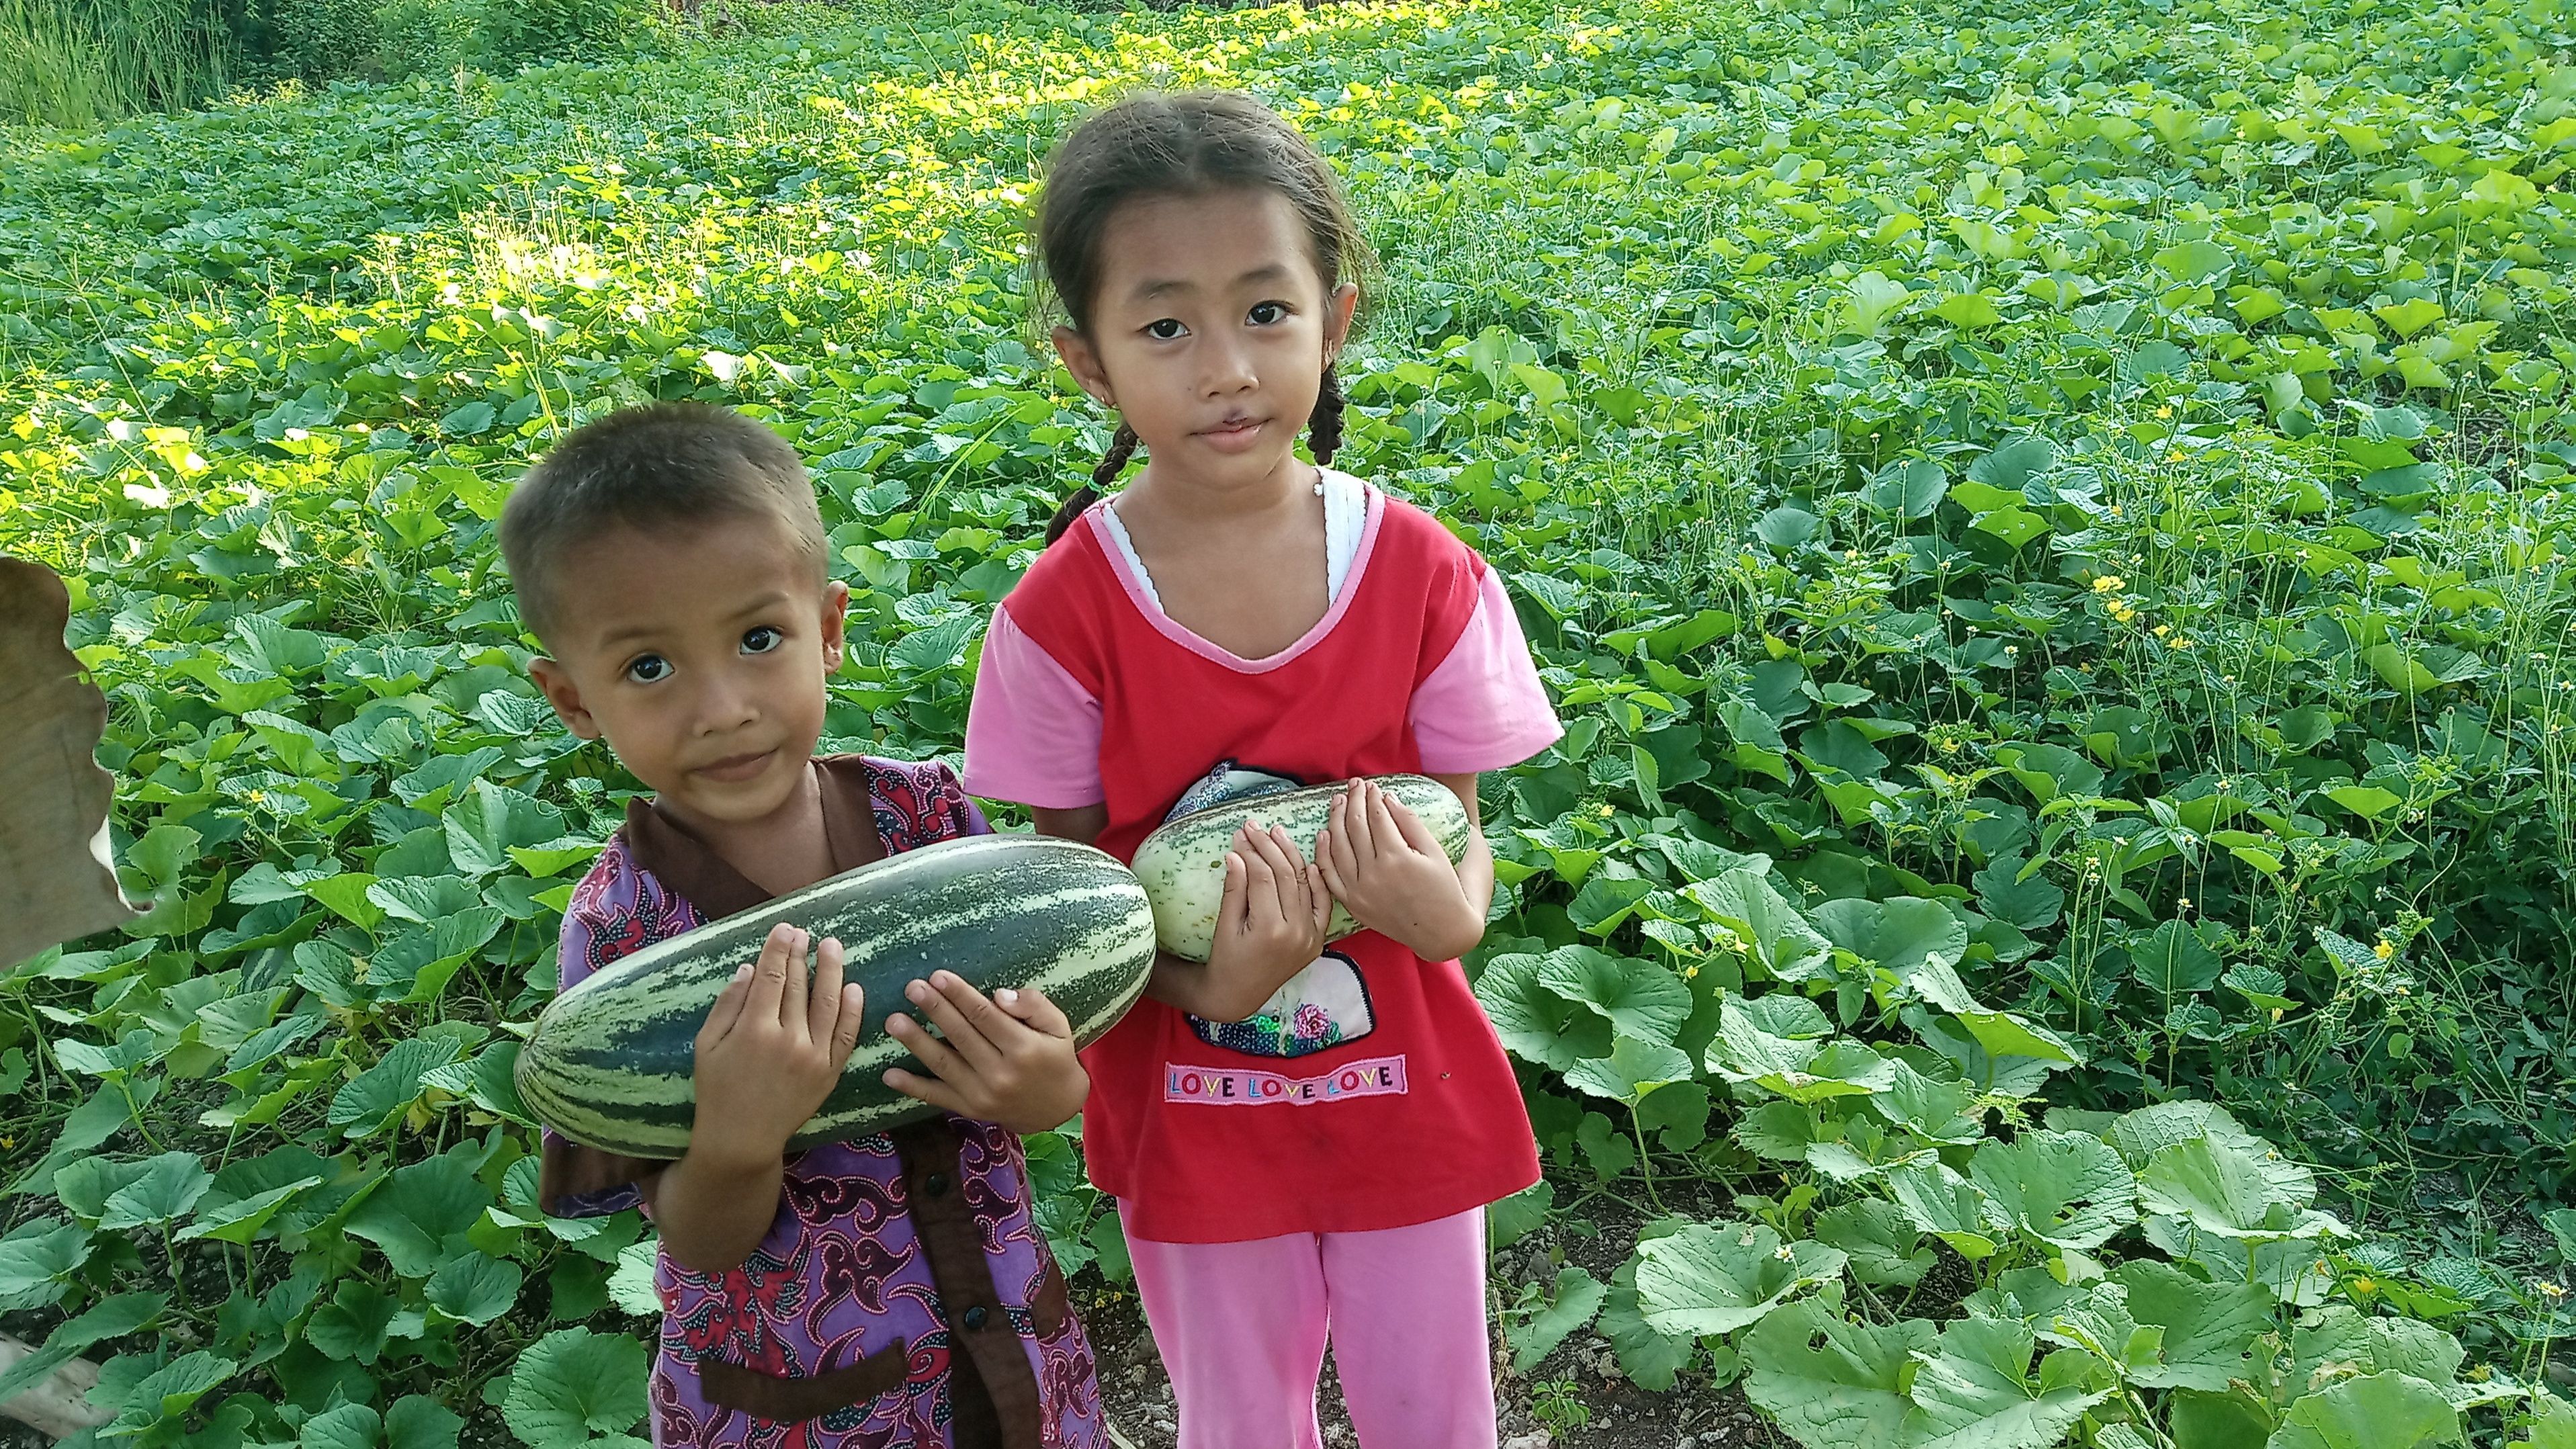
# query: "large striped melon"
610, 1061
1183, 863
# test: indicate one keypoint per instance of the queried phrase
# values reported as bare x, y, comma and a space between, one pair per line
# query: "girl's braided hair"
1188, 143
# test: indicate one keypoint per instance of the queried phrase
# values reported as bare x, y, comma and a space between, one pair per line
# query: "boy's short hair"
662, 464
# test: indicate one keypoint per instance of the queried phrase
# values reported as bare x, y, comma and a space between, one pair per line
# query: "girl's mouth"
1234, 435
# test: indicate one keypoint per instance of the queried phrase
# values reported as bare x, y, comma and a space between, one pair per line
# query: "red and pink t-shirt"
1370, 1092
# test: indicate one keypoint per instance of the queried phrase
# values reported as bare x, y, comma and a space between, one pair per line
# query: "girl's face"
1210, 333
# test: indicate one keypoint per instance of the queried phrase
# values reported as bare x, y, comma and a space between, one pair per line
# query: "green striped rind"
1183, 864
610, 1061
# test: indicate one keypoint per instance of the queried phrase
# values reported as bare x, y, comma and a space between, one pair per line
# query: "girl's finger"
927, 1089
1336, 878
1416, 834
728, 1008
932, 1052
1234, 906
1318, 900
823, 1002
1032, 1006
1382, 826
1260, 880
1355, 820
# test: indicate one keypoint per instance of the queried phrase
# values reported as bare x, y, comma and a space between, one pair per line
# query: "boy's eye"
649, 669
1269, 314
1165, 329
761, 638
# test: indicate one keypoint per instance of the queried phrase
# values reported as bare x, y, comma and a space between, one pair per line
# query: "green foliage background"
2048, 523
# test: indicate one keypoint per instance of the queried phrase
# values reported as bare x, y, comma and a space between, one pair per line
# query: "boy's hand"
1271, 920
1007, 1060
772, 1049
1386, 868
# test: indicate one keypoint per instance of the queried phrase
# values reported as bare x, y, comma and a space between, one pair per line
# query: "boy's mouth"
734, 769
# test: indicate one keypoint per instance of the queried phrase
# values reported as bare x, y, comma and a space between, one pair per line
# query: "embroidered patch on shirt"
1223, 1087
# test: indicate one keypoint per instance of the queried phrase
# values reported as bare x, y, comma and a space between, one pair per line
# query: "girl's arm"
1275, 904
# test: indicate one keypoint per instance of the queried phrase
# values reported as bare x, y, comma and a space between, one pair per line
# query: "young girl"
891, 1291
1300, 1139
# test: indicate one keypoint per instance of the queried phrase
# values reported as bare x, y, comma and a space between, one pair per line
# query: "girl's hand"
1269, 923
1008, 1060
772, 1049
1385, 867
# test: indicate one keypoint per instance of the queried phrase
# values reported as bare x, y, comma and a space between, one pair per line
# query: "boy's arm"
1193, 986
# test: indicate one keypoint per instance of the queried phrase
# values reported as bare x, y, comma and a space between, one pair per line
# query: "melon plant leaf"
474, 1288
169, 1391
1830, 1382
417, 1421
572, 1383
1976, 1393
349, 1426
630, 1284
36, 1258
1631, 1071
239, 1220
85, 1185
1939, 1201
2209, 1328
2340, 1339
370, 1102
1638, 998
2553, 1423
2376, 1411
2066, 1189
414, 1217
1711, 1278
489, 819
2173, 961
1572, 1307
1765, 925
1651, 1360
1881, 1247
1535, 1023
109, 1318
166, 1189
2225, 1190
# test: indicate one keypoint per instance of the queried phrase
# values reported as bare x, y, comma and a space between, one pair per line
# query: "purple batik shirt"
889, 1254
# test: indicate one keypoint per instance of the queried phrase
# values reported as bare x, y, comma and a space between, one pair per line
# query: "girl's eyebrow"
1168, 286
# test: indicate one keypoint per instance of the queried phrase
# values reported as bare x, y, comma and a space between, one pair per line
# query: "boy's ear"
1083, 361
564, 695
836, 624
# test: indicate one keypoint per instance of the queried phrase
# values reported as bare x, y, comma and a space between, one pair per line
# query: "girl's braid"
1122, 446
1324, 428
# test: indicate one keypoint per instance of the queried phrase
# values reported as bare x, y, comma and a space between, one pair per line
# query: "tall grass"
80, 62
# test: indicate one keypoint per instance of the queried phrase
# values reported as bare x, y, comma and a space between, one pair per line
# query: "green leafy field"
2049, 524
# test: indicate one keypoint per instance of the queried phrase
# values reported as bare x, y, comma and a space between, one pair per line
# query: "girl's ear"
1083, 361
564, 695
836, 624
1339, 308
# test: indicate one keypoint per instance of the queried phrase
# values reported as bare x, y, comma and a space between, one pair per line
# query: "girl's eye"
1165, 330
649, 669
761, 638
1269, 314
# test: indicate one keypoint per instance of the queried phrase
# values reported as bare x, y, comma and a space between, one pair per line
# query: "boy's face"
700, 659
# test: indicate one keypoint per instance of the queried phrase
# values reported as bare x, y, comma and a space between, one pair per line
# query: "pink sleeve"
1482, 707
1033, 731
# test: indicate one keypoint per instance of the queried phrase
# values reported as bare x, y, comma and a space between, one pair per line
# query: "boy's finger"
728, 1008
823, 1003
964, 1028
769, 973
932, 1052
845, 1030
1032, 1006
793, 986
927, 1089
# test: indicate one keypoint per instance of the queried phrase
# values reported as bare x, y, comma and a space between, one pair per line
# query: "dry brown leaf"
56, 881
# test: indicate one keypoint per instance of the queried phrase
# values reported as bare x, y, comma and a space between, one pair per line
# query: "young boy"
889, 1291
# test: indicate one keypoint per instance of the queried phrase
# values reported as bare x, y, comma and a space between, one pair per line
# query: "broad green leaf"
1534, 1022
358, 1322
2173, 961
1832, 1383
1751, 1046
2377, 1411
474, 1288
2225, 1190
420, 1216
2339, 1341
350, 1426
2208, 1327
631, 1288
1723, 1277
1881, 1246
371, 1101
1570, 1308
1639, 999
573, 1383
35, 1259
1950, 1207
85, 1186
107, 1319
1764, 925
169, 1391
1632, 1070
488, 819
1976, 1392
2066, 1189
166, 1189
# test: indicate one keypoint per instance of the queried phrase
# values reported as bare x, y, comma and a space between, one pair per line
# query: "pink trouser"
1241, 1328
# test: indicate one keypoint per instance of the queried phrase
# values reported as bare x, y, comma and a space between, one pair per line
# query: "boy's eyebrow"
1163, 287
765, 602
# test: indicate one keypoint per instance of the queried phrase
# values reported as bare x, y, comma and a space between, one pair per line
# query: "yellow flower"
2383, 950
1607, 812
2163, 629
2365, 1285
2166, 411
1949, 747
2182, 643
2109, 584
2175, 456
1690, 973
2549, 1289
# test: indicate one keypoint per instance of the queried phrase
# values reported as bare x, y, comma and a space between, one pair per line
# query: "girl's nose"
1229, 370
